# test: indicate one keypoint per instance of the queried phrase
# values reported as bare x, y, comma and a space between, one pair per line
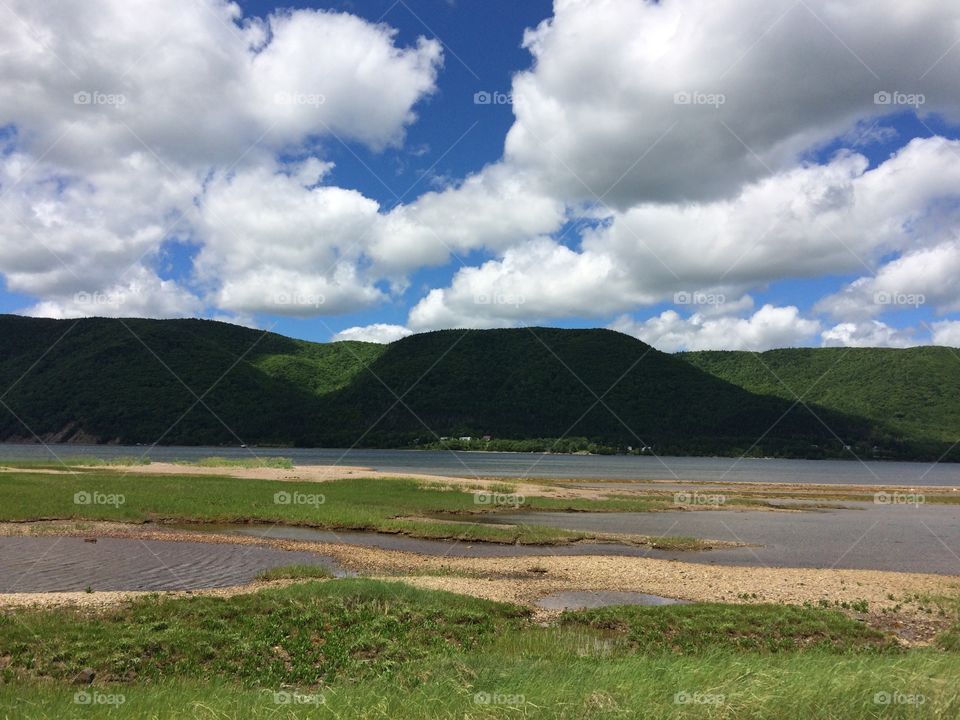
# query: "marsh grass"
294, 572
367, 649
281, 463
368, 504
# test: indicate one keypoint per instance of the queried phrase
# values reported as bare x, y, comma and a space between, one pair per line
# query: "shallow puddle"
60, 564
582, 600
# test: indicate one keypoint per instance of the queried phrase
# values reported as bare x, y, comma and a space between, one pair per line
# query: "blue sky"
482, 44
795, 177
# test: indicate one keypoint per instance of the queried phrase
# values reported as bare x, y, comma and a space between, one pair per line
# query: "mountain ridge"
205, 382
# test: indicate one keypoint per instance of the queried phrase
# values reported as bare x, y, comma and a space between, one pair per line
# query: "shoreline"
523, 580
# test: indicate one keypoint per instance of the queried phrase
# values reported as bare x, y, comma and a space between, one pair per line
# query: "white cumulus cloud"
769, 327
376, 333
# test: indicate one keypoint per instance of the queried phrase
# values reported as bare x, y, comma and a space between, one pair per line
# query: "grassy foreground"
393, 506
366, 649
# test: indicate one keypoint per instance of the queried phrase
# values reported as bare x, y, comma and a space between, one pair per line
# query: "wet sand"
328, 473
439, 548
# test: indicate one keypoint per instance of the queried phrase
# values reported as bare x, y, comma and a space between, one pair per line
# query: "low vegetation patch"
367, 649
368, 504
307, 634
282, 463
691, 629
294, 572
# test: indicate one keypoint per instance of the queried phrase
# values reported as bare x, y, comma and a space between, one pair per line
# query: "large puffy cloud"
142, 293
494, 209
598, 115
539, 279
192, 103
122, 111
716, 199
196, 82
921, 277
327, 72
276, 241
769, 327
805, 222
66, 233
947, 332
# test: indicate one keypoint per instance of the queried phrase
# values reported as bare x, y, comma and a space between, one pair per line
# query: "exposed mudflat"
440, 548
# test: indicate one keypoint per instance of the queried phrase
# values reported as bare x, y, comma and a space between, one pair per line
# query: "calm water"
906, 538
56, 564
585, 467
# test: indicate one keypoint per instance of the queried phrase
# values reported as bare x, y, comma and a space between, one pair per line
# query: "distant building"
466, 438
487, 438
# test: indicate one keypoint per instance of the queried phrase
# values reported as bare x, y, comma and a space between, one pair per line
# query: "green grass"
308, 633
282, 463
692, 629
365, 649
353, 504
566, 686
294, 572
80, 462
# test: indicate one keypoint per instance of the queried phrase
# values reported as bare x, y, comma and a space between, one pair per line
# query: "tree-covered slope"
204, 382
542, 382
173, 381
915, 392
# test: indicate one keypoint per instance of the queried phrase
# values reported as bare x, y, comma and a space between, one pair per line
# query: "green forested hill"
204, 382
177, 381
915, 392
543, 382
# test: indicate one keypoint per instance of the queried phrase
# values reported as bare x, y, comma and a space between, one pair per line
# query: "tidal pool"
60, 564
